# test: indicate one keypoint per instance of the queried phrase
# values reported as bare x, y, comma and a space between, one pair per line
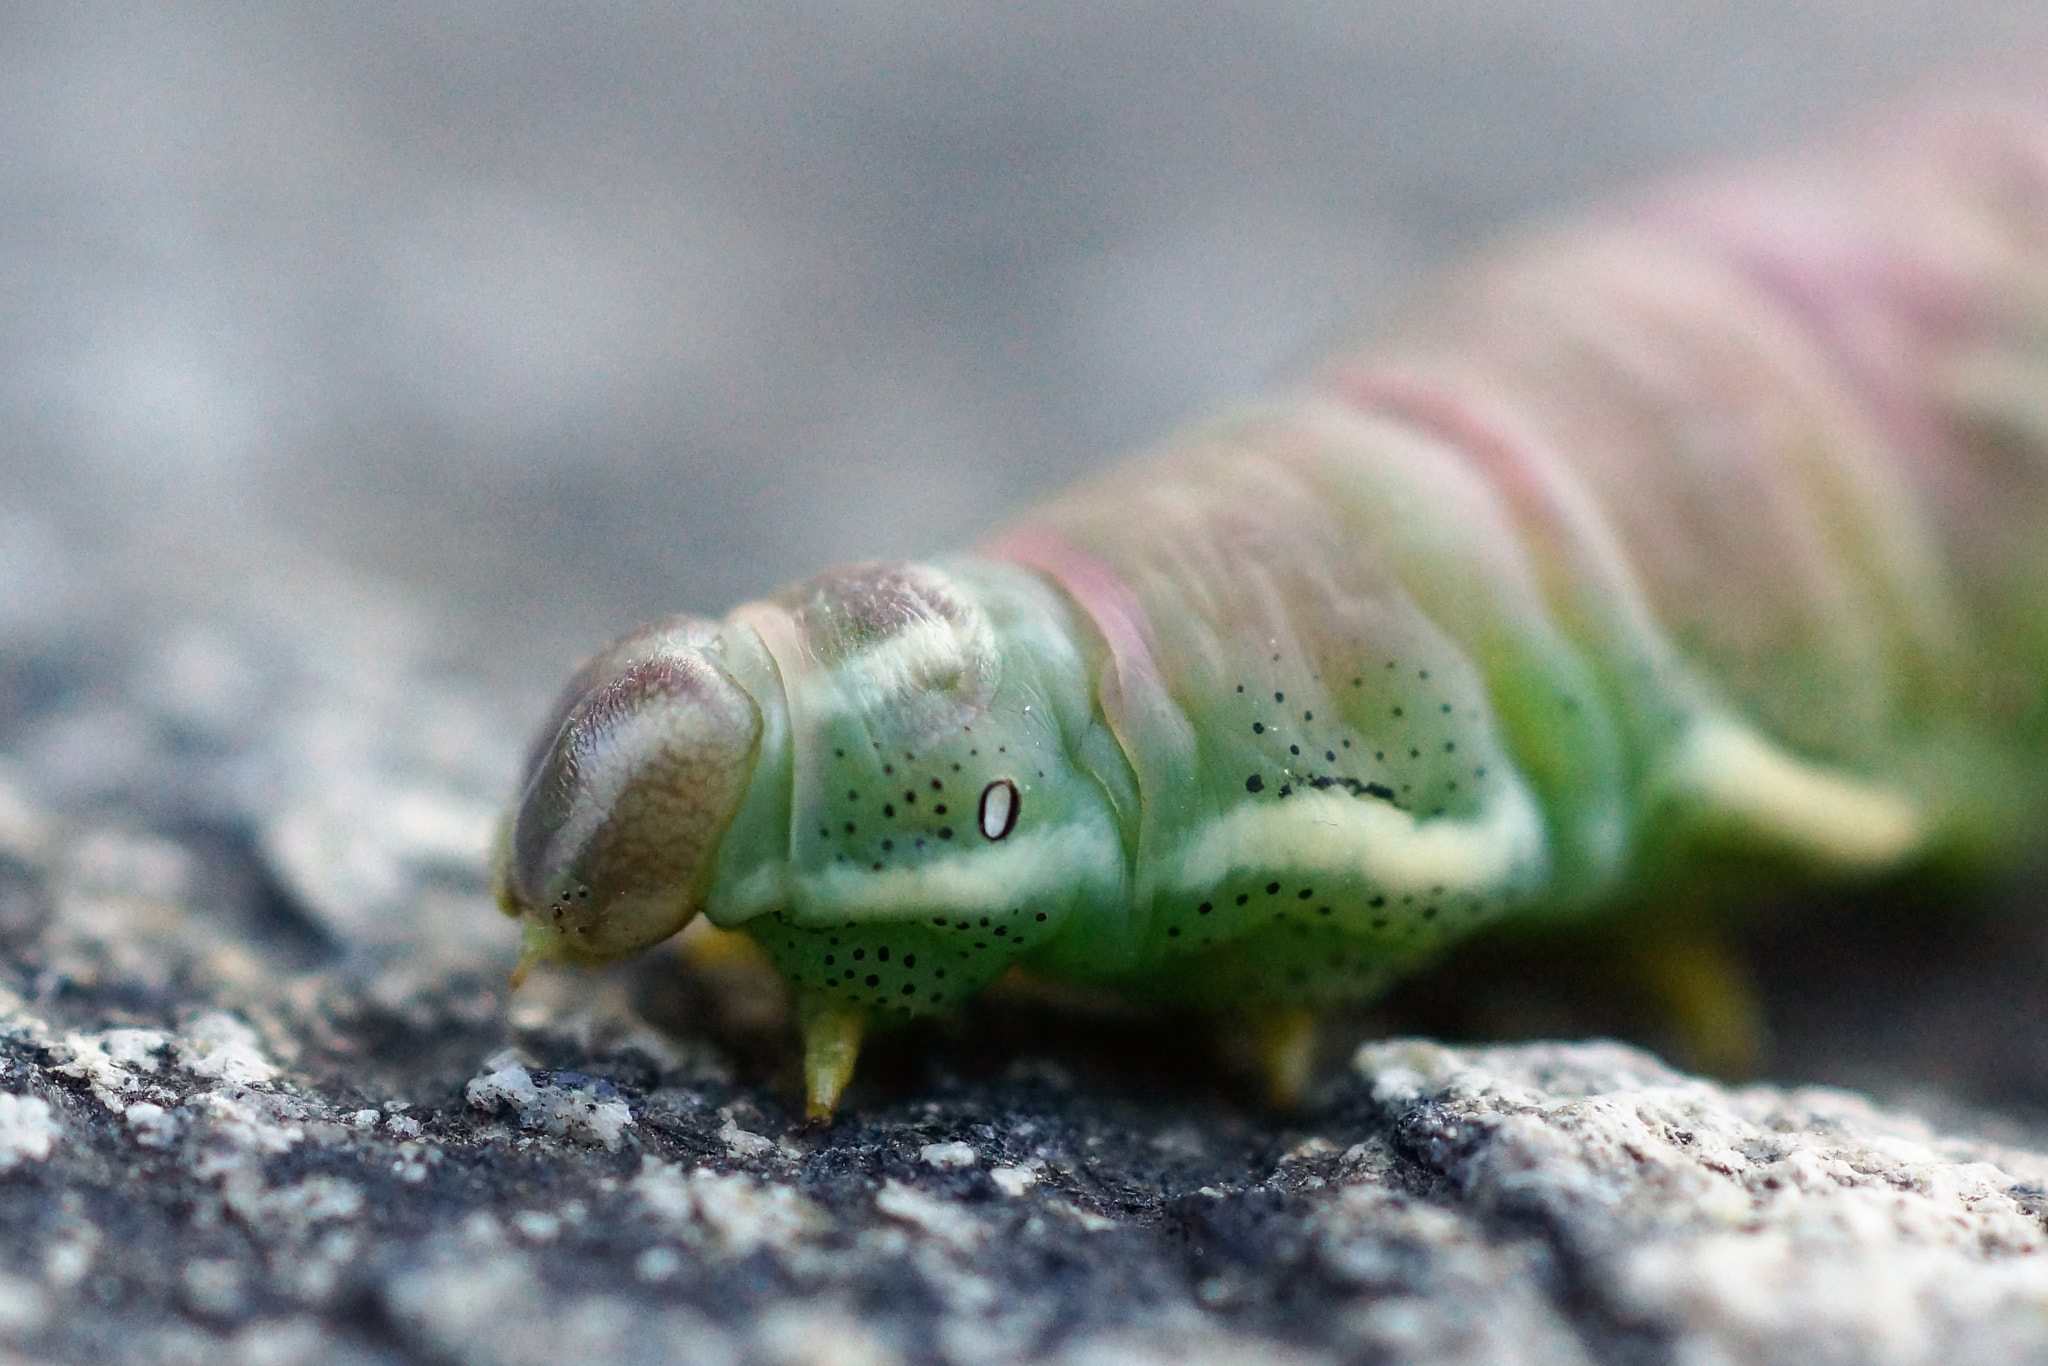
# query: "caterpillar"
1704, 536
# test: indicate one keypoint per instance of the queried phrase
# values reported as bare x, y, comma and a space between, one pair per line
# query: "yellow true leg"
703, 945
832, 1034
1703, 990
1287, 1053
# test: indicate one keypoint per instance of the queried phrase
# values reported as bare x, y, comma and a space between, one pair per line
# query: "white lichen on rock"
949, 1221
1014, 1181
741, 1142
949, 1156
109, 1060
731, 1214
585, 1110
28, 1130
481, 1303
219, 1047
152, 1125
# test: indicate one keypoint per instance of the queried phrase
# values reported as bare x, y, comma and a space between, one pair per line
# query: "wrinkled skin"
627, 796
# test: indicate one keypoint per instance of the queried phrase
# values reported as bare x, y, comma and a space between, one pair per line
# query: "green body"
1702, 539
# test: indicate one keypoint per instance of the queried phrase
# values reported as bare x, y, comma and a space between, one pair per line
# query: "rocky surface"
264, 1098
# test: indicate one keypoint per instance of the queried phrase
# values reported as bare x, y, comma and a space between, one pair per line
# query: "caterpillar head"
891, 751
627, 795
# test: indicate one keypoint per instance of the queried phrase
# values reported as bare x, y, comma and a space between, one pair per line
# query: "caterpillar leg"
1703, 991
1286, 1038
832, 1034
703, 945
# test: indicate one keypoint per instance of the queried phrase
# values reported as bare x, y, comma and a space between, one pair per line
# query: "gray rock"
1757, 1224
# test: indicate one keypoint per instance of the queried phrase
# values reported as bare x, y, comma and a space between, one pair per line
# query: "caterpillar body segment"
1713, 534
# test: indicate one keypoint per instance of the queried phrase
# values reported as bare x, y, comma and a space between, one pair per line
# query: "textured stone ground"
264, 1097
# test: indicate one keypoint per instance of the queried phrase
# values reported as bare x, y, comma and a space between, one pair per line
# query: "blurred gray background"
557, 317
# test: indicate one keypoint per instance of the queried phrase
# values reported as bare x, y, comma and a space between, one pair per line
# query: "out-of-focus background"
559, 317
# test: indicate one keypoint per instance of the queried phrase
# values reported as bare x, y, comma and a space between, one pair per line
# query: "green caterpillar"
1708, 535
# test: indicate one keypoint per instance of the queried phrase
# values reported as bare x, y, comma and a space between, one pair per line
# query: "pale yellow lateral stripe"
981, 877
1332, 833
1834, 819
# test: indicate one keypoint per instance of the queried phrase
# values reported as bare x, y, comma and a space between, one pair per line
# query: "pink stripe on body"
1097, 588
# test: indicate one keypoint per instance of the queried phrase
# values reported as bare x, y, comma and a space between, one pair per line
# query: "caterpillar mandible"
1706, 536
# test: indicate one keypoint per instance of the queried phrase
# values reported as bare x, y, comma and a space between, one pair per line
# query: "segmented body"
1715, 528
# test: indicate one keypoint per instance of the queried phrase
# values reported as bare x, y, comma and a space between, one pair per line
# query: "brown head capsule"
626, 797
